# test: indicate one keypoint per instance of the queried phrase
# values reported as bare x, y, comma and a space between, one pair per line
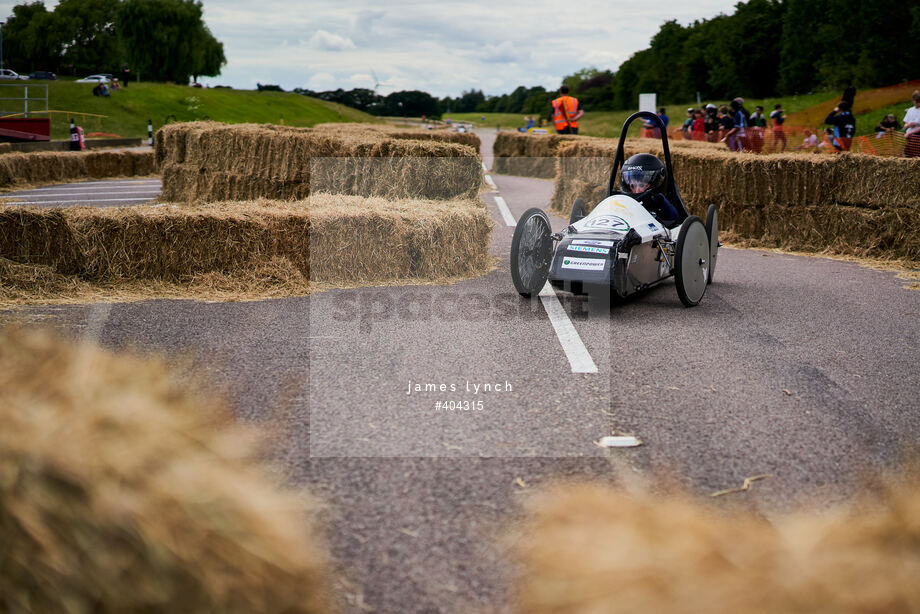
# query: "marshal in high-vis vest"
566, 112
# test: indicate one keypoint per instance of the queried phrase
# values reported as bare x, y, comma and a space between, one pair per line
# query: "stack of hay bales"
528, 155
849, 204
328, 238
206, 161
122, 490
534, 155
588, 548
57, 166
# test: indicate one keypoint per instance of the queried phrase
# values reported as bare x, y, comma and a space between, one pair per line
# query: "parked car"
6, 73
95, 79
43, 74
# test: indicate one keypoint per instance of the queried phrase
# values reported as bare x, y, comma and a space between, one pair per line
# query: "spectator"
97, 90
810, 142
758, 127
830, 141
912, 128
725, 122
566, 112
849, 94
698, 128
664, 120
844, 124
887, 126
737, 134
711, 123
778, 117
687, 128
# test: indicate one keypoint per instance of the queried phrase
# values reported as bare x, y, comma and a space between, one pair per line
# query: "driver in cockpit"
643, 177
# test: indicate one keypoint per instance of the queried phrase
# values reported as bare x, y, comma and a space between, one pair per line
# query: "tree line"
764, 48
160, 40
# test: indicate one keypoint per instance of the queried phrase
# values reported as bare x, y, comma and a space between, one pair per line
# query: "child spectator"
844, 124
830, 142
698, 128
912, 128
711, 123
688, 125
725, 122
887, 126
779, 133
737, 134
758, 127
810, 142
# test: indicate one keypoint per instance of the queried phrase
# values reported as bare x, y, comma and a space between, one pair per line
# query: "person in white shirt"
912, 128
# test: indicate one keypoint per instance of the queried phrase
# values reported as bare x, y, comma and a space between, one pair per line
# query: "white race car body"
618, 243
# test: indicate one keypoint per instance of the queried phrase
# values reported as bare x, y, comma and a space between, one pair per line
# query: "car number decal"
608, 222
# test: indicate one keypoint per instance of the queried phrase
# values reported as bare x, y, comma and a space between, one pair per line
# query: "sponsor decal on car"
583, 264
652, 226
589, 249
592, 242
608, 222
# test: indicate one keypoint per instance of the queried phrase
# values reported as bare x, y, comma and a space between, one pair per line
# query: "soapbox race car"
619, 246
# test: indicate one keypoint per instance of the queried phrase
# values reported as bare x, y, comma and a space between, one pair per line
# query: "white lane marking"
74, 200
575, 350
81, 194
484, 167
490, 182
109, 182
505, 211
74, 188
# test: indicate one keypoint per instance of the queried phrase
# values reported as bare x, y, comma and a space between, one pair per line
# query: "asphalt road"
805, 369
106, 193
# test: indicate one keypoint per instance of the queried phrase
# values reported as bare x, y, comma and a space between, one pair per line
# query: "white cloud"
322, 81
411, 44
502, 53
327, 41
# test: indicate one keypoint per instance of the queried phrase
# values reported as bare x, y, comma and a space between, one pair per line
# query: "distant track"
110, 193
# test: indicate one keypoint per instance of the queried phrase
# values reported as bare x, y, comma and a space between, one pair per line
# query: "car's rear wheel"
578, 211
691, 261
531, 252
712, 229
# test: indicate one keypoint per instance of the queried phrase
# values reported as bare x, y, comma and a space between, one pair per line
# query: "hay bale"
60, 166
850, 204
587, 548
121, 490
257, 245
402, 132
529, 155
214, 162
371, 240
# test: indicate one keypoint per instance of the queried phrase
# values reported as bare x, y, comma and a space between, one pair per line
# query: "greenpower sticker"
584, 264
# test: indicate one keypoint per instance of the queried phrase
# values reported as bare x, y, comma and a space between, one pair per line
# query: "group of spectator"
742, 130
734, 125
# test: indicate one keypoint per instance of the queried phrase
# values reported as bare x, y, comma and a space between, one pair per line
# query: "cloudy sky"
442, 48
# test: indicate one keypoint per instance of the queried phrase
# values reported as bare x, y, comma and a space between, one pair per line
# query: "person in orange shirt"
566, 112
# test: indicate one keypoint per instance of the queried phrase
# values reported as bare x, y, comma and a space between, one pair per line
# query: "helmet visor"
638, 180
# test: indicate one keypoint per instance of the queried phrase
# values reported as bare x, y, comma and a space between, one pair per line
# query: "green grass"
128, 109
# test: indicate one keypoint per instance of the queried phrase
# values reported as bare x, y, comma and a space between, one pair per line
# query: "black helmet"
642, 173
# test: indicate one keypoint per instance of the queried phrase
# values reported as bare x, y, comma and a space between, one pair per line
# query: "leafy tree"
166, 40
86, 29
29, 42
